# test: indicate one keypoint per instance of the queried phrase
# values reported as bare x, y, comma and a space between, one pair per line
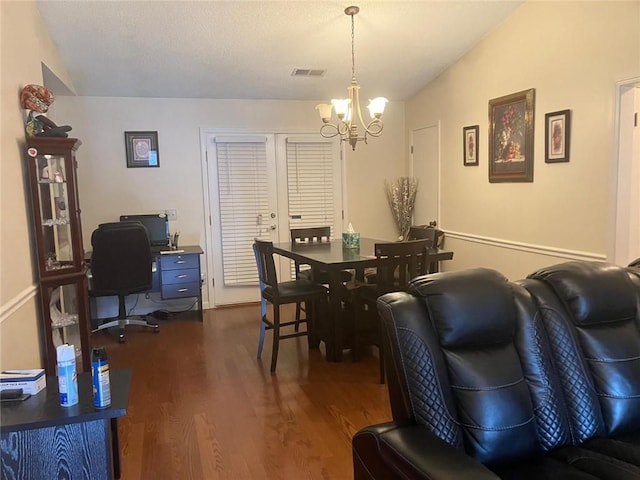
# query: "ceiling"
248, 50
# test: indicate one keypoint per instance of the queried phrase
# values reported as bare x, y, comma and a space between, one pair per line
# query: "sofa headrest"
468, 307
594, 292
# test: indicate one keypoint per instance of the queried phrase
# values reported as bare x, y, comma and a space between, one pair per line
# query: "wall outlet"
172, 214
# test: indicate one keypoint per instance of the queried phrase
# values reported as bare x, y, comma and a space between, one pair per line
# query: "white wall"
572, 53
25, 46
108, 188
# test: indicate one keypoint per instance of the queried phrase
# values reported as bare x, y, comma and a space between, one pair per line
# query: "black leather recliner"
492, 379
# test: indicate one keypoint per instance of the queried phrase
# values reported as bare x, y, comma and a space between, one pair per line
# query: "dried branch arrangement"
401, 194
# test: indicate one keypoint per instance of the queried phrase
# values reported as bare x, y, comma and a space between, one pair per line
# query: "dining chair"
312, 294
433, 234
398, 263
311, 235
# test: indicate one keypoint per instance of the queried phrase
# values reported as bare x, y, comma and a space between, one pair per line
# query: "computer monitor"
157, 227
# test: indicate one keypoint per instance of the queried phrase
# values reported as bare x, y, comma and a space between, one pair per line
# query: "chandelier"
348, 109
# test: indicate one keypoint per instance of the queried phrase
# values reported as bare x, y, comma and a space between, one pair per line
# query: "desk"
175, 275
332, 258
179, 274
40, 439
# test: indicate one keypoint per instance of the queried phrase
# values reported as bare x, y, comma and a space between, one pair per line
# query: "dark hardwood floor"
202, 406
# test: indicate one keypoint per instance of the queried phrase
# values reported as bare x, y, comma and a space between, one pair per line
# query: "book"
30, 381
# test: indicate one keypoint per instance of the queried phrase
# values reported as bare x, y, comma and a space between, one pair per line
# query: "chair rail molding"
527, 247
17, 302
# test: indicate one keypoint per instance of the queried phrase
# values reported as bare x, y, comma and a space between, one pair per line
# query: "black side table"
40, 439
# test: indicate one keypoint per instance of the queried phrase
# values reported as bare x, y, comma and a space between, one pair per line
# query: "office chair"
121, 264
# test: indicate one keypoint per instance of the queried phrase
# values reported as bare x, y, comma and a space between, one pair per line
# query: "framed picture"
511, 120
470, 139
142, 149
557, 128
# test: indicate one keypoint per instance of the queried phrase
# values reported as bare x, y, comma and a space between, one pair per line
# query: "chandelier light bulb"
324, 109
342, 106
376, 106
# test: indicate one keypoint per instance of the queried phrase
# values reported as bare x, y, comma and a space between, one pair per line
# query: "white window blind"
243, 197
310, 184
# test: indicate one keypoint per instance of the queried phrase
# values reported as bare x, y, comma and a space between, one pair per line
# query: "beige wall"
572, 53
25, 46
108, 188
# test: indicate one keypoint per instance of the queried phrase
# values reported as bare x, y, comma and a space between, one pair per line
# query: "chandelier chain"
353, 49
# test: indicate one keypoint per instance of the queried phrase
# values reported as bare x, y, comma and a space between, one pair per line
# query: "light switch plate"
172, 214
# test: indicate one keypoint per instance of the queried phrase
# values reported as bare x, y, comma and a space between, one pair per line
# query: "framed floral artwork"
142, 149
511, 121
557, 128
470, 148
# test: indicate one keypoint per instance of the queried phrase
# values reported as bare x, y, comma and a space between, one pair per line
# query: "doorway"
425, 166
260, 185
626, 243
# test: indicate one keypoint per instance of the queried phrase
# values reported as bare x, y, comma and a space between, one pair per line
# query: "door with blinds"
260, 186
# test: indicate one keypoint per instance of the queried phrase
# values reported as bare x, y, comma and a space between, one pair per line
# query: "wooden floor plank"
203, 407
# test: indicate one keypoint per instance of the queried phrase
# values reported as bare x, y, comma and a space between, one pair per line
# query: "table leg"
335, 330
115, 447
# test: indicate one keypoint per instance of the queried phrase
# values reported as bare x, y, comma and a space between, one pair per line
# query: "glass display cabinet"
60, 254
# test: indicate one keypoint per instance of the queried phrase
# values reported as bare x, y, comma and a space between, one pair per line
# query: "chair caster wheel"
156, 330
121, 337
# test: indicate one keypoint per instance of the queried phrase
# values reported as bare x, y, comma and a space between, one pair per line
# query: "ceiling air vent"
307, 72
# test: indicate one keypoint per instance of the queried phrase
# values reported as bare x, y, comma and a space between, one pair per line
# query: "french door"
260, 186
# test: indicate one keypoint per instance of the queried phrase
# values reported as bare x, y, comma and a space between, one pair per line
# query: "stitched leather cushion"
466, 311
474, 316
601, 303
594, 292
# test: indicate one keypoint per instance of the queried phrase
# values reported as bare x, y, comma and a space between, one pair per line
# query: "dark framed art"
557, 131
142, 149
511, 121
470, 139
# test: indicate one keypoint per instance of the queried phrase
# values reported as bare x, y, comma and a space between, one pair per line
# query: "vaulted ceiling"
249, 49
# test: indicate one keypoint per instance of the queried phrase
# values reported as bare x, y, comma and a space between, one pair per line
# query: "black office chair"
121, 264
312, 294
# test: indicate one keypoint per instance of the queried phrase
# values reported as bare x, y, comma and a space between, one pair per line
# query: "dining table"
332, 257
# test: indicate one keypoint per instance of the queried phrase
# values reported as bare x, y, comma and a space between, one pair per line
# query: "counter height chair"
399, 262
312, 294
121, 264
311, 235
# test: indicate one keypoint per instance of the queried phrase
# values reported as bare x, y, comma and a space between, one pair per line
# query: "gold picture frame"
511, 122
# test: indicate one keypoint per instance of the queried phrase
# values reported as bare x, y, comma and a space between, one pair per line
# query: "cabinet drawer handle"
179, 262
181, 290
181, 276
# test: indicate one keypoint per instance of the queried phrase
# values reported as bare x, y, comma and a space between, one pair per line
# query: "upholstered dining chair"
313, 295
398, 263
121, 264
311, 235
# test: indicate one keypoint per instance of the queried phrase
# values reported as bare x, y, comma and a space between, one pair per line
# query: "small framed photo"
470, 139
511, 123
142, 149
556, 136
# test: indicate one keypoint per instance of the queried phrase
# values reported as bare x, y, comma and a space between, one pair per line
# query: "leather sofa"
535, 379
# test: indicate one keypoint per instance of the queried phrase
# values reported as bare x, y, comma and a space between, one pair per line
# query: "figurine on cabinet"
38, 99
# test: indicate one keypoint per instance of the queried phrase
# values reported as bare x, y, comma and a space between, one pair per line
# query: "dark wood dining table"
332, 257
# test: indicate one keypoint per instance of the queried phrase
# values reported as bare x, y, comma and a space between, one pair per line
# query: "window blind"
310, 184
243, 197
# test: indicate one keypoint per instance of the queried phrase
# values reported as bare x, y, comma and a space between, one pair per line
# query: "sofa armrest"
392, 450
